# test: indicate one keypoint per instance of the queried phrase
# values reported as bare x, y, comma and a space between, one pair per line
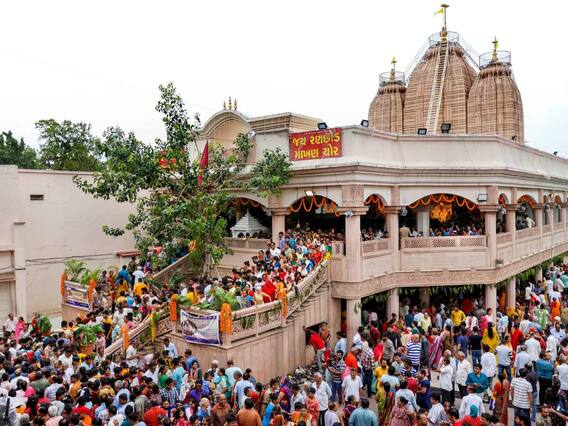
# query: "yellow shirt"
457, 317
380, 372
138, 287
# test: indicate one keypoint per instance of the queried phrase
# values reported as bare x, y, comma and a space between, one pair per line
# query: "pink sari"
435, 352
20, 329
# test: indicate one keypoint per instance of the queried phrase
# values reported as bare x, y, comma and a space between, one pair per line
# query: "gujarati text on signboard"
315, 145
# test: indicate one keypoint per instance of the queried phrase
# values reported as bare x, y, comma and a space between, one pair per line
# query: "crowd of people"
432, 364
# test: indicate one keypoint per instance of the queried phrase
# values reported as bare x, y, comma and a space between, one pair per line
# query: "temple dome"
455, 83
386, 109
494, 105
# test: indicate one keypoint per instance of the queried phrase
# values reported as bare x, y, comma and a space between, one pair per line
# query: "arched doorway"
316, 213
373, 223
525, 217
440, 215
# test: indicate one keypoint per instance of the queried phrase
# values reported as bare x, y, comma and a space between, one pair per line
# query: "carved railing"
248, 243
546, 229
527, 233
337, 248
180, 265
443, 242
372, 246
558, 226
141, 335
504, 238
268, 316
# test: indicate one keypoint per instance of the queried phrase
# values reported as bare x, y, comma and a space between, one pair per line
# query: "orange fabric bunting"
226, 319
460, 201
92, 285
173, 308
125, 337
62, 286
314, 202
283, 297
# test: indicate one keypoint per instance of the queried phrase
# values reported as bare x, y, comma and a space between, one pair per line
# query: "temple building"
450, 89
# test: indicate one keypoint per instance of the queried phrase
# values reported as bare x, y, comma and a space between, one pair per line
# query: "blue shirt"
462, 342
544, 369
363, 417
482, 380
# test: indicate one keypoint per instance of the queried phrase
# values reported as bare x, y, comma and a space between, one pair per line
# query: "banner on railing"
76, 295
200, 329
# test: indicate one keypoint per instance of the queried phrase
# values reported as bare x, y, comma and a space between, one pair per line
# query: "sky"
102, 61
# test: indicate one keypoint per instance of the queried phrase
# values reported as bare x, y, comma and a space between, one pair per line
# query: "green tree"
173, 209
16, 152
67, 146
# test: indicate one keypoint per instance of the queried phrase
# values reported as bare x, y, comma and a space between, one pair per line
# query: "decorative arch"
545, 199
503, 200
444, 198
528, 200
309, 203
221, 118
377, 201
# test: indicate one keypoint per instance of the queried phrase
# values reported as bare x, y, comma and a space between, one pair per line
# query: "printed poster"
200, 329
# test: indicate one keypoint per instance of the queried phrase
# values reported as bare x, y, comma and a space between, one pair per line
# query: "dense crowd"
430, 365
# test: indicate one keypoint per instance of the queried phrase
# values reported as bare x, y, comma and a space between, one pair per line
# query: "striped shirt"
413, 352
522, 388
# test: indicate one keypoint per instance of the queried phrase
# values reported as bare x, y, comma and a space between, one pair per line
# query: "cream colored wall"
414, 259
66, 223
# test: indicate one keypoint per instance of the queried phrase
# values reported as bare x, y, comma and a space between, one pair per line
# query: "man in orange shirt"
351, 358
247, 416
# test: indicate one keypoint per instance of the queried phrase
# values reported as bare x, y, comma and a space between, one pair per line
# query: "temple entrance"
373, 223
316, 214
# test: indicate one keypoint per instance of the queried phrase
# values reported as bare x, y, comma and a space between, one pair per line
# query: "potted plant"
43, 325
74, 269
87, 336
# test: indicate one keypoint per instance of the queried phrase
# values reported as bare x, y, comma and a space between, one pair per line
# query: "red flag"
203, 163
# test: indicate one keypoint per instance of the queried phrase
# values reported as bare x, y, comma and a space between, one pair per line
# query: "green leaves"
17, 153
67, 146
172, 210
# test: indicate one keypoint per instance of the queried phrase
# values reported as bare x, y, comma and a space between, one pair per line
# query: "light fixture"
309, 192
322, 126
365, 123
555, 153
348, 213
446, 127
482, 198
422, 131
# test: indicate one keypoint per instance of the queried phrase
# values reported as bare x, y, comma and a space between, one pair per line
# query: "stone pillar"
491, 300
393, 304
423, 220
539, 275
425, 295
550, 215
353, 319
353, 247
512, 293
512, 226
490, 215
278, 222
20, 270
391, 217
538, 218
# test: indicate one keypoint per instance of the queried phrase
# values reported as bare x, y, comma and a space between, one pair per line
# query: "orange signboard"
315, 145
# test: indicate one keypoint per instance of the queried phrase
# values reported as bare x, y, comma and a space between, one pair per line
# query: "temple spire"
495, 47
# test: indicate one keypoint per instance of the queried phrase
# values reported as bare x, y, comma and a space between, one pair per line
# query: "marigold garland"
226, 319
246, 201
376, 200
435, 199
90, 291
125, 337
283, 297
62, 284
313, 202
173, 307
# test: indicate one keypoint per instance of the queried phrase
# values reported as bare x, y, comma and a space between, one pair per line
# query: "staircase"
438, 80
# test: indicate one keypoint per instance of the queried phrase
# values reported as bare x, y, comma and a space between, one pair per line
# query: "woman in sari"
400, 414
501, 395
284, 394
385, 402
490, 337
446, 335
435, 350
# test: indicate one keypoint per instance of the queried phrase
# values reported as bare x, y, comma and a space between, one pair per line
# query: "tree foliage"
16, 152
172, 209
67, 146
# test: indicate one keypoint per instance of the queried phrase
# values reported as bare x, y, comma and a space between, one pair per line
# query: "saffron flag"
441, 10
203, 163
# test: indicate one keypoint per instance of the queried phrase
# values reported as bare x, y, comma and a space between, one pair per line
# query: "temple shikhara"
438, 189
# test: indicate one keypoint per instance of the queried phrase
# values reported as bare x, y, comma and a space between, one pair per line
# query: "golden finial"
224, 105
495, 47
230, 103
393, 62
235, 104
